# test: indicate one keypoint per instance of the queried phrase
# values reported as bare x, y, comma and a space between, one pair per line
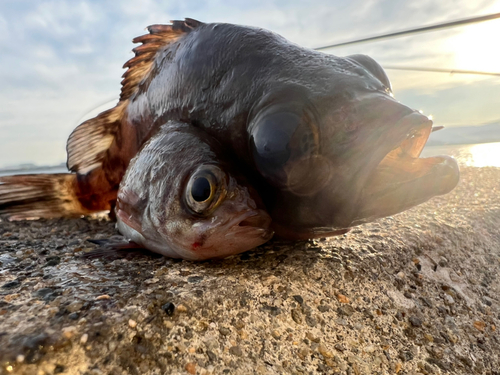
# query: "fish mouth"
254, 224
402, 179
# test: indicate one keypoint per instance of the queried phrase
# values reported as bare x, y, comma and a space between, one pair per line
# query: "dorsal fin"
88, 143
158, 37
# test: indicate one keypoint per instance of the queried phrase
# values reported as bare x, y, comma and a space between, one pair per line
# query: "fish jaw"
395, 178
432, 177
246, 231
203, 240
392, 177
402, 179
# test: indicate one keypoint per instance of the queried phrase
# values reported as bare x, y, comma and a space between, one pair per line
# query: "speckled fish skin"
155, 210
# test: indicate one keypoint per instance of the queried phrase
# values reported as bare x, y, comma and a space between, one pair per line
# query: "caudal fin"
40, 196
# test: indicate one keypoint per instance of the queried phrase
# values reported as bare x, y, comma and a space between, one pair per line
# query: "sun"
475, 48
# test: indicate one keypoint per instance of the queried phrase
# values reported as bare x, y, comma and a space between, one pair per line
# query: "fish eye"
271, 139
278, 139
205, 189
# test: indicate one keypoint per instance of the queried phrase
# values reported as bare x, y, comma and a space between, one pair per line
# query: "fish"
321, 138
181, 197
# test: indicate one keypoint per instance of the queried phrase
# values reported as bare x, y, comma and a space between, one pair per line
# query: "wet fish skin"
310, 127
155, 209
315, 134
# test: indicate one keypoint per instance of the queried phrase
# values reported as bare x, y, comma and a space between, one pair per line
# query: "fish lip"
256, 223
407, 138
415, 129
402, 179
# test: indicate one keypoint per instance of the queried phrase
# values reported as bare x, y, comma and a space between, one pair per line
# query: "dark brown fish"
320, 137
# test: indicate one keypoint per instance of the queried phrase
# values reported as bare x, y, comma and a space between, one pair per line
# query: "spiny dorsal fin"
158, 37
88, 143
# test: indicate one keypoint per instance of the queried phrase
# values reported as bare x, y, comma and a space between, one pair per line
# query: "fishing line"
395, 34
436, 70
438, 26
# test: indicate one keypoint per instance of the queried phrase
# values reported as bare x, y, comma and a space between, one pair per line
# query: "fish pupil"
200, 190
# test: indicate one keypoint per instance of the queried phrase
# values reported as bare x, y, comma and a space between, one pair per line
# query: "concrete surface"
417, 293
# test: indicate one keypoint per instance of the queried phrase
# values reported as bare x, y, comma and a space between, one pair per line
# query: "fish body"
321, 138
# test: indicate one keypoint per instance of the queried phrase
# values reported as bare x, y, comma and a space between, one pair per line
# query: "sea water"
473, 155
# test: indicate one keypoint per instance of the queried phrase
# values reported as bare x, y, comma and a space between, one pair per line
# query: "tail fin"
40, 195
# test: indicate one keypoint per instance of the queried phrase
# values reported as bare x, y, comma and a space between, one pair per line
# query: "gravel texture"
417, 293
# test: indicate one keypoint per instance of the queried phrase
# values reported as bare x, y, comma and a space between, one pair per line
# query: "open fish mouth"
402, 179
252, 224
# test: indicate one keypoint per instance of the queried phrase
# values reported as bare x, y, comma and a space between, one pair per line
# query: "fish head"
221, 217
180, 199
339, 150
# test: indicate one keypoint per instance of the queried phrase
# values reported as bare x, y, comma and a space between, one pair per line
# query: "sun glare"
485, 155
475, 48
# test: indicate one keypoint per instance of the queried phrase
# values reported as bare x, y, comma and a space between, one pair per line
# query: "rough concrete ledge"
417, 293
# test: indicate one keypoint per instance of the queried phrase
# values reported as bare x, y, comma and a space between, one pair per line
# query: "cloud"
62, 58
456, 105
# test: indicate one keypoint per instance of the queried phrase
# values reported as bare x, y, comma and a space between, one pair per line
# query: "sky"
61, 60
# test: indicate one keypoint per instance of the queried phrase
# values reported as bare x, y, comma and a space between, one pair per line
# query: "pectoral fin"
116, 247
